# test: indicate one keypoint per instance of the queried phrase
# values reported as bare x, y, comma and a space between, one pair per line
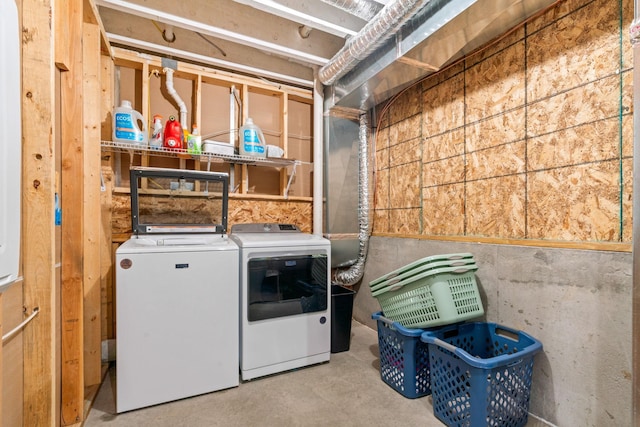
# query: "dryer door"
286, 285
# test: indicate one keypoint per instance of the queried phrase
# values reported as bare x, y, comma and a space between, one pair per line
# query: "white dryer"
285, 313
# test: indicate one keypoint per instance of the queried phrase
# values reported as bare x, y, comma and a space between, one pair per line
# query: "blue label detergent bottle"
251, 140
125, 125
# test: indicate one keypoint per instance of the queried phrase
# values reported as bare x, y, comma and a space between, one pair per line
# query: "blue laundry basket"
481, 374
404, 358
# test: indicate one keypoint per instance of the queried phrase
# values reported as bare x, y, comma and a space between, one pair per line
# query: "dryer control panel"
265, 228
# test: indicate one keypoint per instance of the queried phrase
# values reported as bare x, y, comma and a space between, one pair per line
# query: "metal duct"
386, 23
355, 272
363, 9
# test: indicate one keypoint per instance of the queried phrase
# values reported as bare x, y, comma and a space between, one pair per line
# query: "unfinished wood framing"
72, 198
146, 90
92, 209
41, 389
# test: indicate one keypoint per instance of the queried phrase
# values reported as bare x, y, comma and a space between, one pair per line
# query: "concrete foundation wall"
576, 302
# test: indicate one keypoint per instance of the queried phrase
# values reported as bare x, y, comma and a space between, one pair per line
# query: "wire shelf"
120, 147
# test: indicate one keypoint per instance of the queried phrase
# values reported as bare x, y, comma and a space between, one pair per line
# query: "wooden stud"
91, 267
72, 178
41, 388
284, 140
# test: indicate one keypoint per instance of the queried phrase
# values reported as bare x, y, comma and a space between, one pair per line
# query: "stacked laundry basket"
478, 373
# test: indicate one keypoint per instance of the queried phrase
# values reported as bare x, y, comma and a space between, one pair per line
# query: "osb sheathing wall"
239, 211
531, 138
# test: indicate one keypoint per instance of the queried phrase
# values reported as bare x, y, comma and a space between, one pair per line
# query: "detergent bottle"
125, 125
251, 140
157, 137
173, 136
194, 141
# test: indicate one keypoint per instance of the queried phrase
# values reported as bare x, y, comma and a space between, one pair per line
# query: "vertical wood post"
72, 178
41, 390
91, 266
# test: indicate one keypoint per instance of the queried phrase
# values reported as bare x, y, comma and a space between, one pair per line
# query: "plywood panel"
445, 171
581, 105
627, 202
496, 207
405, 130
382, 159
443, 211
575, 203
380, 221
436, 79
240, 211
502, 160
448, 144
575, 145
410, 102
405, 152
444, 107
481, 139
246, 211
496, 84
560, 10
502, 42
382, 138
579, 48
500, 129
381, 186
404, 221
404, 186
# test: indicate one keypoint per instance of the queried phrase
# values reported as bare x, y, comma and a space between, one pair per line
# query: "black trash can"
341, 313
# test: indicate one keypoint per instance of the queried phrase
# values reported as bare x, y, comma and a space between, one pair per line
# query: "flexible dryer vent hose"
356, 271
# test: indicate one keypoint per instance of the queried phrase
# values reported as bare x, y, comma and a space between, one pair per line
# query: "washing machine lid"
178, 201
177, 243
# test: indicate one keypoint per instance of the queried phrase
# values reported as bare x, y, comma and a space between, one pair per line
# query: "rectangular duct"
439, 34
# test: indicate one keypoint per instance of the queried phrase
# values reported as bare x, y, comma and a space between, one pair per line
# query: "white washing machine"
285, 313
177, 295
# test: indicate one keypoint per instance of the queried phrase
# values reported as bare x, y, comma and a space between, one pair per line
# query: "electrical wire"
212, 44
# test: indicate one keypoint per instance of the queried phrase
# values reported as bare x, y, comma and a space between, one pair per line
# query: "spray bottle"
157, 136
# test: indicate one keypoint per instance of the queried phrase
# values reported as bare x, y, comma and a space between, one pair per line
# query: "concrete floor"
347, 391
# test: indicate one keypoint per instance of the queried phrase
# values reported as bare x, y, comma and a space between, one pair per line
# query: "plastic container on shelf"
157, 137
404, 358
125, 125
194, 141
173, 134
481, 374
252, 141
